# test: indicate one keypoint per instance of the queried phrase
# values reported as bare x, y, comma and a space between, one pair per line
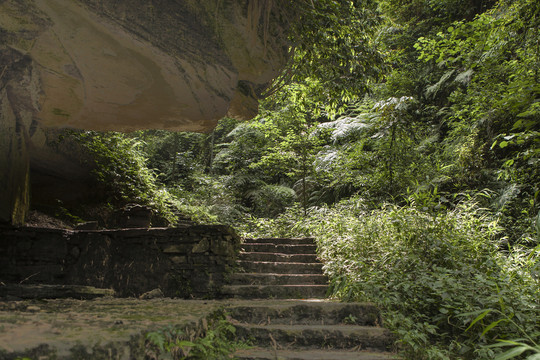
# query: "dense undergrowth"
449, 287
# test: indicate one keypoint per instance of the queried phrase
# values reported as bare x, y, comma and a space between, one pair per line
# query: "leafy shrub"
174, 155
120, 171
432, 274
271, 200
209, 201
216, 341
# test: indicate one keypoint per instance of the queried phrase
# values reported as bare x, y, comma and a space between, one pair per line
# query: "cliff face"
135, 64
125, 65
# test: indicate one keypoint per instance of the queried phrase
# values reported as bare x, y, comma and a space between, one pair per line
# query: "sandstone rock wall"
19, 84
125, 65
135, 64
183, 262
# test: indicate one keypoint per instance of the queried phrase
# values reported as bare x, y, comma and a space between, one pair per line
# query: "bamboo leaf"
478, 318
491, 326
512, 353
503, 343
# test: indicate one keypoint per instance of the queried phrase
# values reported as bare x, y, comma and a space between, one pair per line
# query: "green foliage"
286, 224
472, 69
381, 151
216, 342
62, 212
209, 200
271, 200
244, 145
335, 54
433, 274
517, 346
120, 171
175, 156
271, 159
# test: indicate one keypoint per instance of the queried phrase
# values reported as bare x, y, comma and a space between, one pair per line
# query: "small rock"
202, 247
33, 308
154, 294
89, 225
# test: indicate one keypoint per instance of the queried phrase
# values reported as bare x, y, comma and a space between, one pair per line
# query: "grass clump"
213, 339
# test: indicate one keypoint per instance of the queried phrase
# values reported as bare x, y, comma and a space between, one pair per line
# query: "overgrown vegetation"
120, 172
405, 137
214, 340
446, 287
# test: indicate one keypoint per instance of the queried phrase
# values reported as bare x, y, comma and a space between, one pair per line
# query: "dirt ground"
41, 220
63, 324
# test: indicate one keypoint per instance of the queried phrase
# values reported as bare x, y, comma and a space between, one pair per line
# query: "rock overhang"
127, 65
134, 64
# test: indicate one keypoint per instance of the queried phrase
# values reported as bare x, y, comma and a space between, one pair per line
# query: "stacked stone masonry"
187, 262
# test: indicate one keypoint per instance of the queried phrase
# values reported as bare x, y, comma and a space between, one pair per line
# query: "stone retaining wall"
186, 262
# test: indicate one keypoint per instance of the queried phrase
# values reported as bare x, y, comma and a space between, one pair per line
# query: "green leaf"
157, 339
512, 353
504, 343
509, 162
184, 343
491, 326
479, 317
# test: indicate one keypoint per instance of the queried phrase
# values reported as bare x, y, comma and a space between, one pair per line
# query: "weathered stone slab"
100, 329
308, 313
177, 248
202, 246
276, 291
277, 279
295, 354
53, 291
312, 336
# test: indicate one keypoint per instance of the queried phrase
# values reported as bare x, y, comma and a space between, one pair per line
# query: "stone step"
275, 291
308, 313
355, 337
271, 354
280, 248
277, 257
277, 279
43, 291
296, 241
281, 267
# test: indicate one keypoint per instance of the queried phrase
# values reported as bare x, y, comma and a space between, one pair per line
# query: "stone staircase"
278, 268
287, 316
